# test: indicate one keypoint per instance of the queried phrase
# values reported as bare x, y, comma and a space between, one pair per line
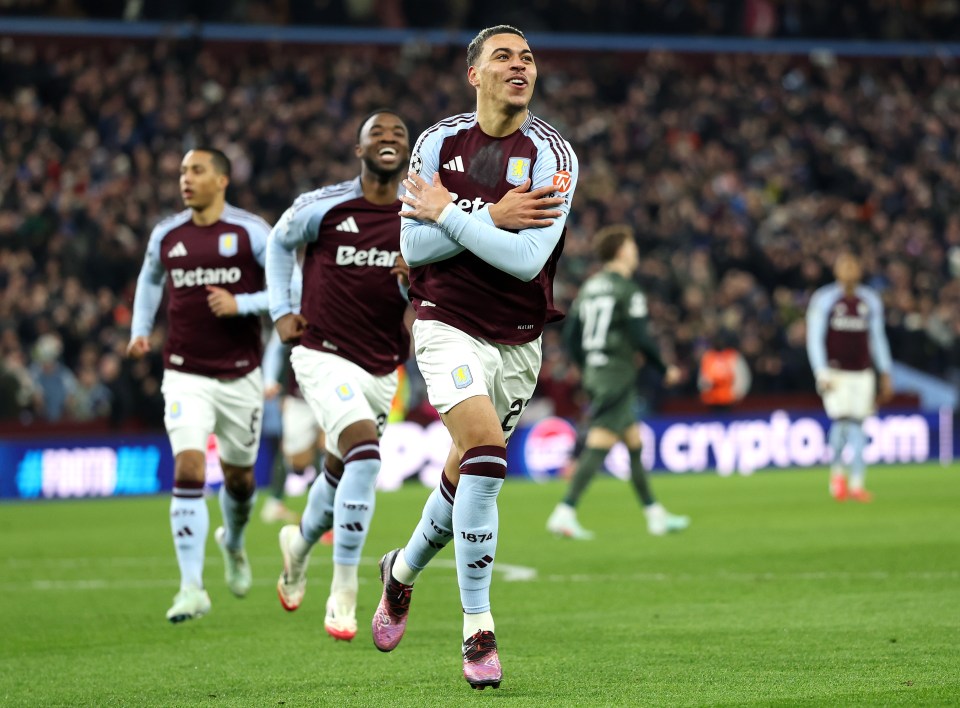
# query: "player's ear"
224, 182
357, 151
473, 76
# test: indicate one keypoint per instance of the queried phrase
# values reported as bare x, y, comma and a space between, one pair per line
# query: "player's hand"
221, 302
428, 199
523, 208
672, 376
886, 389
291, 327
138, 347
271, 391
402, 271
824, 383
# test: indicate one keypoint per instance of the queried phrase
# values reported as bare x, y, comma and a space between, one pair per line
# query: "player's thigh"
189, 410
515, 382
334, 388
454, 365
299, 427
850, 395
863, 392
614, 410
240, 418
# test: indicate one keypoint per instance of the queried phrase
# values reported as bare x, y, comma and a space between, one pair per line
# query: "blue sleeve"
522, 254
879, 346
273, 355
255, 303
149, 292
422, 243
297, 227
817, 313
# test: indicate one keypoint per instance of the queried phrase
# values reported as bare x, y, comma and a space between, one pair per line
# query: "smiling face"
384, 145
504, 74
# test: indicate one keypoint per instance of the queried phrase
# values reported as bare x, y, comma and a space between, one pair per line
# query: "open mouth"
518, 81
388, 154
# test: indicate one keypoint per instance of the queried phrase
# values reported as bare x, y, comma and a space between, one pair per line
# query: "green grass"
775, 596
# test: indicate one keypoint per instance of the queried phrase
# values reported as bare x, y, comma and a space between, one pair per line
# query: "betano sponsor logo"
468, 205
204, 276
351, 255
848, 323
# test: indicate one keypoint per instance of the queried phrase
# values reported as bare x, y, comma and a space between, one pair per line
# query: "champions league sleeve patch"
462, 376
416, 163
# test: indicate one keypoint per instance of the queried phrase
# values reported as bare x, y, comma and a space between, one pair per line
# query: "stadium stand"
743, 174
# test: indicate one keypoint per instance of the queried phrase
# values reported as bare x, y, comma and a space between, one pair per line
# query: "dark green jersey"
607, 325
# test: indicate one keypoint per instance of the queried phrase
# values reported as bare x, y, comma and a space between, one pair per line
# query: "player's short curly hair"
608, 240
476, 45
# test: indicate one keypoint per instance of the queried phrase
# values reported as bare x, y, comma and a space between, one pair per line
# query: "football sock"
344, 579
278, 477
838, 439
590, 462
236, 514
475, 523
317, 518
640, 480
858, 441
189, 523
476, 622
354, 501
432, 533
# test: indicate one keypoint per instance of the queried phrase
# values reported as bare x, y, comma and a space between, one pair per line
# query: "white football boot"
341, 619
190, 603
661, 522
292, 584
236, 567
563, 522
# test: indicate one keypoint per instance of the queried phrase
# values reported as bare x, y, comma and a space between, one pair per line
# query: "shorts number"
381, 423
516, 408
254, 419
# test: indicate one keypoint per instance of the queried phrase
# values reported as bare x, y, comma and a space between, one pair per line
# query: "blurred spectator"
54, 385
724, 377
91, 398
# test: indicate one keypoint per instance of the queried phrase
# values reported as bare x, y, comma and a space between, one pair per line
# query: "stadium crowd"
850, 19
743, 176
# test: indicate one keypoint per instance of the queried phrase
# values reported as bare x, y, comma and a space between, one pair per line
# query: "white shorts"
196, 406
457, 366
300, 429
340, 393
851, 394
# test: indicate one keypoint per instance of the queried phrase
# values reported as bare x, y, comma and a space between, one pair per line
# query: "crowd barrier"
103, 466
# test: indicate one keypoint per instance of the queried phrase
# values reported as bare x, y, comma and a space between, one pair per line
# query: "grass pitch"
775, 596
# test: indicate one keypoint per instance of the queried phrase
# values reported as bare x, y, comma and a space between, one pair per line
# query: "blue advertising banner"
104, 466
57, 468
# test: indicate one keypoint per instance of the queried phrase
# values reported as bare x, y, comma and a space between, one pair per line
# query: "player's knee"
189, 466
301, 460
238, 480
361, 432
